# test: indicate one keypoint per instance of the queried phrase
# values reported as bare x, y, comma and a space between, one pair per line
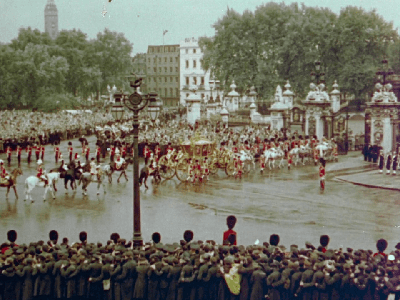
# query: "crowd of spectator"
27, 128
192, 270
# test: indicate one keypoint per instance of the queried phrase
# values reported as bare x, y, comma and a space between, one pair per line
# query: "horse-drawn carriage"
178, 162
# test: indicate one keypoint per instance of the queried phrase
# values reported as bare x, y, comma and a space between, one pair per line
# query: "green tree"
74, 46
111, 51
30, 36
279, 42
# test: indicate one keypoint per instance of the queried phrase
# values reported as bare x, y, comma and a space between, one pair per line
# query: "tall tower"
51, 19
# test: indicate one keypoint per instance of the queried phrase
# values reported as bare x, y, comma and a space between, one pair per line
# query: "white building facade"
191, 72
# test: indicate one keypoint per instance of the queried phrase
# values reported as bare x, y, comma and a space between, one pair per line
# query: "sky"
143, 21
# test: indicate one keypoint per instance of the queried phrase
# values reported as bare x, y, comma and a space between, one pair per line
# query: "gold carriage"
198, 147
177, 161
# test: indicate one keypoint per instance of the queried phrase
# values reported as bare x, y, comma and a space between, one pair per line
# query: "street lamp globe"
117, 110
154, 106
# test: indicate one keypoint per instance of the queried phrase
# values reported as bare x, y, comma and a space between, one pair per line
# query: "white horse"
295, 153
246, 158
33, 181
322, 148
305, 154
274, 154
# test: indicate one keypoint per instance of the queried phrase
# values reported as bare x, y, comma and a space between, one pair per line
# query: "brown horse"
113, 168
11, 183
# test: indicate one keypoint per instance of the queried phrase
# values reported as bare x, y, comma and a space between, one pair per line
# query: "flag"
164, 32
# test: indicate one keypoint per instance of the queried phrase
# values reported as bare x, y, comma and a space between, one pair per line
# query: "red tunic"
228, 233
39, 171
8, 151
321, 172
3, 172
19, 150
146, 152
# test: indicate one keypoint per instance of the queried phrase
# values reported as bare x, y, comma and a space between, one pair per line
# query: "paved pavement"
353, 169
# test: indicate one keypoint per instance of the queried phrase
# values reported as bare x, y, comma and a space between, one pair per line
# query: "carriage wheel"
213, 169
230, 168
166, 172
182, 170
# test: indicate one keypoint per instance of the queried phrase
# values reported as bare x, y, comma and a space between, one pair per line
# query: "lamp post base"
137, 240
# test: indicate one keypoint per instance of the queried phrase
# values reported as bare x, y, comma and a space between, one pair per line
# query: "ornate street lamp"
317, 75
136, 102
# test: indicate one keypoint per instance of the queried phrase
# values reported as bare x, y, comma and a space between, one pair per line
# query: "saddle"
45, 180
3, 180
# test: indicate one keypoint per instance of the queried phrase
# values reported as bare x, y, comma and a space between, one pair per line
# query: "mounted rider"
93, 167
119, 162
3, 173
41, 173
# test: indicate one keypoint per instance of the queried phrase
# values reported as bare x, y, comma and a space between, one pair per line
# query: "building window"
159, 79
176, 79
165, 69
176, 59
176, 69
194, 50
155, 70
171, 92
165, 79
187, 64
149, 59
159, 69
202, 96
202, 80
165, 59
187, 51
159, 59
187, 80
194, 63
165, 91
170, 79
154, 60
195, 80
170, 59
187, 95
177, 92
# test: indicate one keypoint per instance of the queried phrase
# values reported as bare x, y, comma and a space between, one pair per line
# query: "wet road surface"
279, 201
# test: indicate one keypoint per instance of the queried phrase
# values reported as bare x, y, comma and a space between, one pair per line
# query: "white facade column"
318, 126
306, 125
387, 135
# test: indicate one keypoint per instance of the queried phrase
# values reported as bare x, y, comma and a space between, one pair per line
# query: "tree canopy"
35, 69
279, 42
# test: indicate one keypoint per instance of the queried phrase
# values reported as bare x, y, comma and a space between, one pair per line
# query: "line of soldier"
390, 162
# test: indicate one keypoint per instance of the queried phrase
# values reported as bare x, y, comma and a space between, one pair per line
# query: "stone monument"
383, 110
